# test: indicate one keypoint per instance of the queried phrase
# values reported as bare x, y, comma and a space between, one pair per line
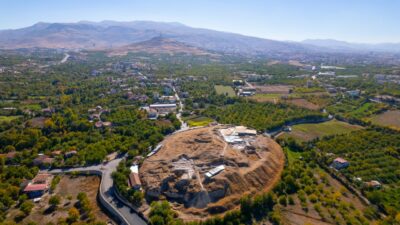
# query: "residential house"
163, 108
134, 181
340, 163
374, 184
38, 185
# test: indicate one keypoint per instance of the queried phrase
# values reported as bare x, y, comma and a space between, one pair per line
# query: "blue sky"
369, 21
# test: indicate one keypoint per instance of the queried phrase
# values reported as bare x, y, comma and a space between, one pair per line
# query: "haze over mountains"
111, 34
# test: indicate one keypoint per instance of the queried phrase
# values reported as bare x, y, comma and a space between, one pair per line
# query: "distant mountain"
159, 45
351, 47
110, 34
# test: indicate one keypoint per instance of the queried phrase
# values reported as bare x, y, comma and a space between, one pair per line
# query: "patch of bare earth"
273, 89
67, 189
37, 122
389, 118
300, 102
247, 171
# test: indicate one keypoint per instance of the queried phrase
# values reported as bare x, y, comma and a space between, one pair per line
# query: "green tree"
54, 201
26, 207
246, 208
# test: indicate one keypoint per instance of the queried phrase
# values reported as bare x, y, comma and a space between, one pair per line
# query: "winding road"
119, 209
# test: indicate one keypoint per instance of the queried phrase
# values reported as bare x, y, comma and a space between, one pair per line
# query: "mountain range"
116, 35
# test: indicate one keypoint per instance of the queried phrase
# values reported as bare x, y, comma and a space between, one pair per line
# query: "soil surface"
67, 189
178, 171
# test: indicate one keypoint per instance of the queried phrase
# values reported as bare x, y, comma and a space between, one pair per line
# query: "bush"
73, 215
291, 200
26, 207
313, 198
54, 201
282, 200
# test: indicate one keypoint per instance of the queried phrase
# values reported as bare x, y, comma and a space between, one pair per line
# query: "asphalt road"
65, 58
107, 190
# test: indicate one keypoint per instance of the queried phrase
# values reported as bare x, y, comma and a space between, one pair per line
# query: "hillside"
110, 34
178, 171
159, 45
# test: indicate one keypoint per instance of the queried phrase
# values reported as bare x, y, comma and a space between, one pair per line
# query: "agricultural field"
273, 98
311, 131
308, 195
8, 119
355, 109
199, 121
265, 116
225, 90
273, 89
373, 155
301, 102
313, 101
389, 118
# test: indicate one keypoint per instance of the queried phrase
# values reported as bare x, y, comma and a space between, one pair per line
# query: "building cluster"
385, 99
239, 137
384, 78
340, 163
95, 116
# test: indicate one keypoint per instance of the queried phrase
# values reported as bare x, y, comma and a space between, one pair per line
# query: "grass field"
35, 107
308, 132
274, 98
7, 118
199, 121
225, 90
388, 119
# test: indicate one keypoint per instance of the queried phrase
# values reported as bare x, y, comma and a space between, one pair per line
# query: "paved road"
64, 60
106, 190
184, 125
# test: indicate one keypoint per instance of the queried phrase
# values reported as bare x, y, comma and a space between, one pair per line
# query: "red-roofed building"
38, 185
36, 190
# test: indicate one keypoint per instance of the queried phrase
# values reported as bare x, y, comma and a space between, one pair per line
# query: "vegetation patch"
199, 121
225, 90
261, 116
8, 119
355, 109
373, 154
308, 132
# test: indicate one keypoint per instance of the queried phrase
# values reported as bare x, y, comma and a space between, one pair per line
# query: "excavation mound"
205, 171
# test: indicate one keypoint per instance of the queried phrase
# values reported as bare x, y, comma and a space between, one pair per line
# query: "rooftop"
340, 160
36, 187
